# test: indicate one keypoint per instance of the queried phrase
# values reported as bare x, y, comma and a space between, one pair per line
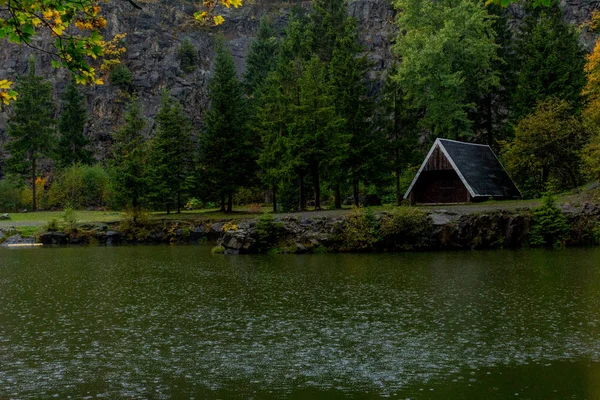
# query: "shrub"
218, 249
406, 228
188, 56
12, 196
194, 204
268, 233
121, 77
70, 219
255, 208
361, 230
550, 227
80, 185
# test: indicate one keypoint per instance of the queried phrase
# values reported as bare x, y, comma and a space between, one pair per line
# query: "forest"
307, 126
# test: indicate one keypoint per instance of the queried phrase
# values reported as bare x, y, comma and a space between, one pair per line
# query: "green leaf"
55, 64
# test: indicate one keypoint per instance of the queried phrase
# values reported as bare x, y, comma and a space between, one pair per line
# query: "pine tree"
492, 108
398, 122
348, 72
31, 127
550, 61
318, 140
171, 154
129, 171
262, 58
226, 152
277, 102
72, 141
329, 19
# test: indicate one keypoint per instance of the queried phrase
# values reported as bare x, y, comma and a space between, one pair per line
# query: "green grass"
27, 231
30, 222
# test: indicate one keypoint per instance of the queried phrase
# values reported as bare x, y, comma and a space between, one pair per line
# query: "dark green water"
176, 322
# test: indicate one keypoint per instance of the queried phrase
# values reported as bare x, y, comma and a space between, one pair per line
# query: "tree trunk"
222, 209
274, 198
317, 186
545, 175
178, 202
230, 203
302, 205
168, 208
34, 189
338, 196
355, 188
398, 193
489, 125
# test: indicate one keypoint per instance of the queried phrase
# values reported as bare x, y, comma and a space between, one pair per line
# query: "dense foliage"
311, 122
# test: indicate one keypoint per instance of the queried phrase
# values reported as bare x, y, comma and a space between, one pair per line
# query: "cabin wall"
442, 186
438, 161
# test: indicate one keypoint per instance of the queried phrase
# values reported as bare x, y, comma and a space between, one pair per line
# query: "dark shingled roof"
481, 169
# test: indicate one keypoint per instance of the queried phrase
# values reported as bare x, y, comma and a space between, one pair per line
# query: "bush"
70, 219
361, 230
188, 56
194, 204
268, 233
550, 227
121, 77
406, 228
80, 186
12, 196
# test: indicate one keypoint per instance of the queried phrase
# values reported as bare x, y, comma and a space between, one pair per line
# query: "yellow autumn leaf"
5, 84
236, 3
218, 20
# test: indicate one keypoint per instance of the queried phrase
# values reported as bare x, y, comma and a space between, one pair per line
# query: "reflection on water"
167, 322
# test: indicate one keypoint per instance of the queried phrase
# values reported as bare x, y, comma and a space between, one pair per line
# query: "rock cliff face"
154, 35
156, 31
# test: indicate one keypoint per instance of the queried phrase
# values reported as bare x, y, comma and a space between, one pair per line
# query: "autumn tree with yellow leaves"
591, 112
75, 27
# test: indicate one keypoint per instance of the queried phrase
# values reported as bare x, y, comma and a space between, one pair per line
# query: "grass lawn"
37, 219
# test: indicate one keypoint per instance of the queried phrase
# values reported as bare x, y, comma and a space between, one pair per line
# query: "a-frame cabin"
459, 172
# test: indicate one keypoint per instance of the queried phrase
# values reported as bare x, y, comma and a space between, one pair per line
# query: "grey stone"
4, 216
54, 238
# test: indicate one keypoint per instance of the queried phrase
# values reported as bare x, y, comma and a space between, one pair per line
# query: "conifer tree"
129, 170
31, 127
262, 58
278, 101
318, 140
329, 19
398, 122
72, 141
550, 61
348, 72
226, 152
171, 154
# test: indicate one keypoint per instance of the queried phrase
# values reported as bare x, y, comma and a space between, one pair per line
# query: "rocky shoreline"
406, 229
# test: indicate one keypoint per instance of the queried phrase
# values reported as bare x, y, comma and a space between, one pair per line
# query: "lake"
178, 322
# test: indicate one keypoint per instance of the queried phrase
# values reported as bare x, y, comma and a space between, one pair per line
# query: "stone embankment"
402, 229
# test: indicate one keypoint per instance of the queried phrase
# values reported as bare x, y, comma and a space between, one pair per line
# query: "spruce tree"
226, 151
277, 102
348, 73
72, 142
262, 58
171, 154
550, 61
329, 19
129, 170
398, 122
318, 140
31, 127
